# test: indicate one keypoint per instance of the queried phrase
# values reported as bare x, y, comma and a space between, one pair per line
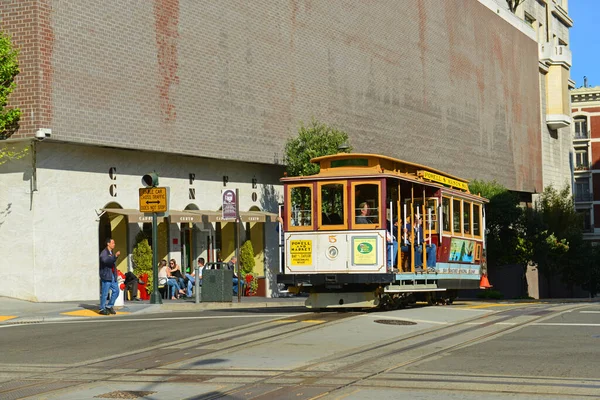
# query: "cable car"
374, 231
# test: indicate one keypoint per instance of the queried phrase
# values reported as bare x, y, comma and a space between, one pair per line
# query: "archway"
114, 226
255, 232
193, 239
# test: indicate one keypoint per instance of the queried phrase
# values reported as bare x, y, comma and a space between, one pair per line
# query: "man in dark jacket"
108, 278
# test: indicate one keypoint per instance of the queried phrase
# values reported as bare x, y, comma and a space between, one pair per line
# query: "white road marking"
563, 324
380, 316
101, 320
590, 312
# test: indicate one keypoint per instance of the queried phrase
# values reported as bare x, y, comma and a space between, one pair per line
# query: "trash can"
217, 285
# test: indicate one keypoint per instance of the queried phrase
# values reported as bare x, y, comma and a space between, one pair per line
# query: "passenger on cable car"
419, 238
392, 247
363, 217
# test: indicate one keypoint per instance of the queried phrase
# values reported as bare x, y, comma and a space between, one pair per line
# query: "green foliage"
9, 68
548, 230
502, 222
142, 258
549, 235
490, 294
314, 140
8, 153
247, 262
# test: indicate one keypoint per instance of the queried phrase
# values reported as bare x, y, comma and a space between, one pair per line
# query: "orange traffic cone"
484, 283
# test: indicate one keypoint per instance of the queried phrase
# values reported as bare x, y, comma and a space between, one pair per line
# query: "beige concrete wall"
51, 235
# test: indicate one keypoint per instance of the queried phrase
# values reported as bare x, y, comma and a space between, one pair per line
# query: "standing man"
108, 278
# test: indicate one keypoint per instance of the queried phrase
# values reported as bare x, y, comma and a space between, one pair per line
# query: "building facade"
207, 93
586, 141
550, 22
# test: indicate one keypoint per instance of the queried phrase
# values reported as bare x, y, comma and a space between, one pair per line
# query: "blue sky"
584, 41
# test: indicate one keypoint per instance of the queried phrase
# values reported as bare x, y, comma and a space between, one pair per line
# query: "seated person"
131, 284
419, 238
363, 218
392, 245
231, 266
165, 278
181, 280
192, 277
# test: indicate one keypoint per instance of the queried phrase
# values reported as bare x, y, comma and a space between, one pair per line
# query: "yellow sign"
444, 180
301, 253
364, 250
153, 200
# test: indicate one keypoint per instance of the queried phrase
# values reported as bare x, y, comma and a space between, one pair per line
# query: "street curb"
141, 309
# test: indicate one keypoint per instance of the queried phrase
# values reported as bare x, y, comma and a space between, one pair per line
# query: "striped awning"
192, 216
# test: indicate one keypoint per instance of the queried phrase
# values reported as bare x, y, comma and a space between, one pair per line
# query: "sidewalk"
14, 311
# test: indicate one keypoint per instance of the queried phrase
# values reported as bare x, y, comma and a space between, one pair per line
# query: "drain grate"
394, 322
124, 394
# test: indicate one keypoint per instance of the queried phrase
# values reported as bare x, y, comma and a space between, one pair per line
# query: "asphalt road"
463, 351
73, 342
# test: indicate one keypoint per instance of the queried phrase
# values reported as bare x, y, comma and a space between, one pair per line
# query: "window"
467, 218
332, 202
456, 216
446, 214
431, 204
581, 131
581, 159
530, 20
582, 190
300, 206
476, 220
586, 219
431, 207
350, 162
366, 203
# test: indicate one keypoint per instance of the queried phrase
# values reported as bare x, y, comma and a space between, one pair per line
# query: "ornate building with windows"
550, 23
586, 143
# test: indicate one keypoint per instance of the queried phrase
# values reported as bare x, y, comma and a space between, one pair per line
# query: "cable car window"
366, 200
456, 216
476, 220
446, 213
332, 204
301, 206
431, 205
467, 218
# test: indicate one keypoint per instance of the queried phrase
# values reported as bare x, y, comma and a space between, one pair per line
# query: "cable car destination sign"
444, 180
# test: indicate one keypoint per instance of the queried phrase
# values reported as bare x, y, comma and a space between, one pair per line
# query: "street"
468, 350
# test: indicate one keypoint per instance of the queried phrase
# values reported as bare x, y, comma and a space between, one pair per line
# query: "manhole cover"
124, 394
394, 322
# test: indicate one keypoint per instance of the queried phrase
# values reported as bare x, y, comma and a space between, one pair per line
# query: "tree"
553, 235
247, 261
503, 216
514, 4
314, 140
142, 259
9, 69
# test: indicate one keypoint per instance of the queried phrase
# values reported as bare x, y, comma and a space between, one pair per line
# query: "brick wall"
595, 156
596, 188
595, 127
28, 24
232, 79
